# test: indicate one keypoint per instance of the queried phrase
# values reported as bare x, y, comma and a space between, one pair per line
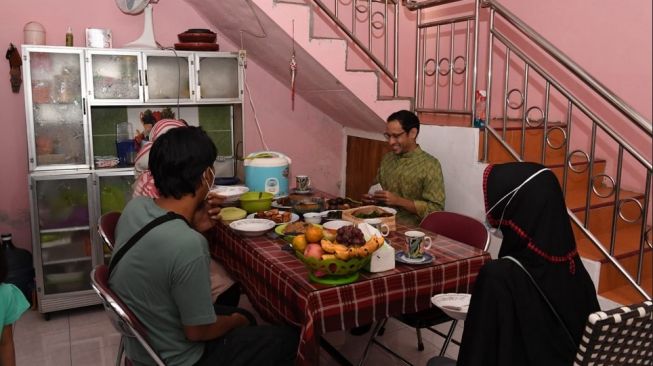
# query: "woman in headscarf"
510, 321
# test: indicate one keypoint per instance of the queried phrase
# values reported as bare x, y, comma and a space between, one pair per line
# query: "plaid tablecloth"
277, 284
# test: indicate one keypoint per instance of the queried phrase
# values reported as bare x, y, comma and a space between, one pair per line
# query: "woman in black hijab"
510, 320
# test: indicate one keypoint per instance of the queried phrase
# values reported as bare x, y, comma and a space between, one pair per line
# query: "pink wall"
308, 127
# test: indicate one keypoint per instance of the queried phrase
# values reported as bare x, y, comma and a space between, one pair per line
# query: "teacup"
379, 225
414, 241
303, 182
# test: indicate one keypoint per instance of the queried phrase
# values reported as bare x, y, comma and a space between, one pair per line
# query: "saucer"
401, 257
302, 191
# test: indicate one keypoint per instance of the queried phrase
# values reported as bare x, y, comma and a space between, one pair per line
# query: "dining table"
278, 286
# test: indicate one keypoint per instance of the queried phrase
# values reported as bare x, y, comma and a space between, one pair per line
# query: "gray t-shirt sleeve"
191, 291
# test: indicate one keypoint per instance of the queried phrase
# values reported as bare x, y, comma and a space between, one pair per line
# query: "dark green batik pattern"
416, 176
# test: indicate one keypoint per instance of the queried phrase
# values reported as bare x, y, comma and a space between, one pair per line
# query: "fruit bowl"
333, 271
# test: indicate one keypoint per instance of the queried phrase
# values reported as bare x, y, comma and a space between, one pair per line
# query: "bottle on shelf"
479, 120
69, 37
20, 270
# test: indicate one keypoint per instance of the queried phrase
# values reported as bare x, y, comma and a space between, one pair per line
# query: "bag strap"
144, 230
546, 299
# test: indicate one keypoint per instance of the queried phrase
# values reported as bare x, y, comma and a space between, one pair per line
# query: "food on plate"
350, 235
340, 203
313, 234
373, 214
296, 228
299, 243
275, 215
334, 215
313, 251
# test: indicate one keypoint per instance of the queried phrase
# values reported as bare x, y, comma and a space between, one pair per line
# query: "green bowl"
333, 271
256, 201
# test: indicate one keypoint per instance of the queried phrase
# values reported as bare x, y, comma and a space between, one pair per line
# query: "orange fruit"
314, 234
299, 242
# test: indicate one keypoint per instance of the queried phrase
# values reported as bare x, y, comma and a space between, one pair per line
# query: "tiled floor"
84, 337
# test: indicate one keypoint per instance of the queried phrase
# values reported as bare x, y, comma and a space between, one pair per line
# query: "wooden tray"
349, 216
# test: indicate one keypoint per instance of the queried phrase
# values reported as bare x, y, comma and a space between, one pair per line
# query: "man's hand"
388, 198
214, 201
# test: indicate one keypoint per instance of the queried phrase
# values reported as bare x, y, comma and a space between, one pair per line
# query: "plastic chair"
621, 336
456, 226
461, 228
121, 317
107, 228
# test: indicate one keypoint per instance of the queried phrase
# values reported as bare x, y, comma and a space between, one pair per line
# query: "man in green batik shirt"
411, 179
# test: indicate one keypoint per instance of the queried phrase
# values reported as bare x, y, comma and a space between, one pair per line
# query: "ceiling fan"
133, 7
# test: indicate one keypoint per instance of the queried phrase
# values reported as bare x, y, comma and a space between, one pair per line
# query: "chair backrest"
459, 227
107, 228
621, 336
121, 317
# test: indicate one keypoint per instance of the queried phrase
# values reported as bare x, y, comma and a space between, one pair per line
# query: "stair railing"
442, 66
376, 13
601, 187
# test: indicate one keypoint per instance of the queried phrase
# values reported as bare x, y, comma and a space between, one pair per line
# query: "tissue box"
383, 259
350, 215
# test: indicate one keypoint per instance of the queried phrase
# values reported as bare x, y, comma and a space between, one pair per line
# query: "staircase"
330, 75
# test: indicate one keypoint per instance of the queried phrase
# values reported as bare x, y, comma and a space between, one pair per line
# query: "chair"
121, 317
621, 336
107, 228
459, 227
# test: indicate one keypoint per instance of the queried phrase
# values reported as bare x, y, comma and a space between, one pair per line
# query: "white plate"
454, 305
252, 227
231, 193
293, 217
324, 214
336, 224
389, 210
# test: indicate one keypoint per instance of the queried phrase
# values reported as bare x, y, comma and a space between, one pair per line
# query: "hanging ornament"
293, 69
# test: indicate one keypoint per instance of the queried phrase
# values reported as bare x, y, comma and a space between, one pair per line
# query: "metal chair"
107, 228
621, 336
121, 317
456, 226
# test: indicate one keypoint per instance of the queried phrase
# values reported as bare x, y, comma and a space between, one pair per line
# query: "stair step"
444, 119
533, 145
626, 294
626, 244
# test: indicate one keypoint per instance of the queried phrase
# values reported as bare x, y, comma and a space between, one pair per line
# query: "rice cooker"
267, 171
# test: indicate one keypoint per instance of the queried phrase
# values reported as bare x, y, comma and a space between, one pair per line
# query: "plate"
252, 227
336, 224
197, 46
402, 258
325, 215
388, 210
302, 191
231, 193
454, 305
293, 217
276, 204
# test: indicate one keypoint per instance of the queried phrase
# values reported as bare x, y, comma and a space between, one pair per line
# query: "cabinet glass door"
54, 91
167, 77
218, 77
114, 192
114, 77
63, 232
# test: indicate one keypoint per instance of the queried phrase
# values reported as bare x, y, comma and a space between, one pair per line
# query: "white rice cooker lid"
267, 159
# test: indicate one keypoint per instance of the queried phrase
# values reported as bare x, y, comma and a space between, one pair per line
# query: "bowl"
256, 201
197, 37
230, 193
231, 214
333, 271
452, 304
313, 204
252, 227
313, 217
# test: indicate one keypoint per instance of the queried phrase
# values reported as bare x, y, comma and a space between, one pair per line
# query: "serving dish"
252, 227
293, 217
204, 37
197, 46
453, 304
230, 193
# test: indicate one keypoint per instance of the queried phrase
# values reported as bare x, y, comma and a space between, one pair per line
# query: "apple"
313, 251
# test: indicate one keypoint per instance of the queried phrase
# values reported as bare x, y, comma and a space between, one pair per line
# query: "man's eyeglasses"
388, 136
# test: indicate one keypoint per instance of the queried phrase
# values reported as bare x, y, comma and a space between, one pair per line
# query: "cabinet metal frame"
89, 53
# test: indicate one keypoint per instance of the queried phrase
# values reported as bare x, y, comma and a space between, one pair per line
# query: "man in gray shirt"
164, 277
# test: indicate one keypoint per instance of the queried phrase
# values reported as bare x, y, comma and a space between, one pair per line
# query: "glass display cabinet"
77, 100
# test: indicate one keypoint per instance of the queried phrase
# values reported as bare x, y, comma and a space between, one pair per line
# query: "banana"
330, 247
